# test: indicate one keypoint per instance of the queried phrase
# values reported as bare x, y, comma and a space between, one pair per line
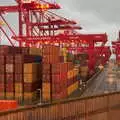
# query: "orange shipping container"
10, 95
28, 78
18, 87
46, 87
30, 68
35, 51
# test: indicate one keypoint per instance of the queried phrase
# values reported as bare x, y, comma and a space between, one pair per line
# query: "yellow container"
30, 95
84, 69
9, 95
84, 74
70, 74
35, 51
18, 95
75, 72
46, 87
30, 67
72, 88
18, 87
46, 96
28, 78
76, 85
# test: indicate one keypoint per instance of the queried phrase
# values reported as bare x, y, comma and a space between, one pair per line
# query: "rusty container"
2, 78
46, 78
30, 78
30, 87
10, 95
10, 59
24, 50
30, 97
19, 58
19, 78
2, 68
2, 87
19, 87
9, 78
19, 68
46, 68
2, 59
30, 68
10, 87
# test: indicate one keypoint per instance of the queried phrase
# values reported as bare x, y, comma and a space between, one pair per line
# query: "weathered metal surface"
90, 108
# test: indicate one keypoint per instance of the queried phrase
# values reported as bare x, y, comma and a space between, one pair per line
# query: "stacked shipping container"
19, 74
55, 83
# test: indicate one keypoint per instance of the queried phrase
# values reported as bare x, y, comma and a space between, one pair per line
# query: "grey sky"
95, 16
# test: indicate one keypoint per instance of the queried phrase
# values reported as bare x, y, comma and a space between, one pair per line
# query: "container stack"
50, 54
10, 81
2, 77
54, 75
27, 78
23, 71
30, 82
20, 74
73, 80
54, 85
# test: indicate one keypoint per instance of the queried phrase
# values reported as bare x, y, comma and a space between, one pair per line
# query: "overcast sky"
95, 16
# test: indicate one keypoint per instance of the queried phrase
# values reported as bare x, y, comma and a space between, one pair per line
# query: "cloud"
94, 16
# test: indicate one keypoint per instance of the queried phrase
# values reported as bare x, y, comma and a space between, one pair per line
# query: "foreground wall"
104, 107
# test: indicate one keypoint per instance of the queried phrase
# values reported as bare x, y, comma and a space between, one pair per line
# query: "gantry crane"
116, 48
39, 26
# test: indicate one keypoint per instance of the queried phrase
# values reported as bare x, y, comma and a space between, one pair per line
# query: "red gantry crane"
39, 26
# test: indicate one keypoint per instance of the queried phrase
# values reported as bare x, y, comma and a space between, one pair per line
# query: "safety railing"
102, 107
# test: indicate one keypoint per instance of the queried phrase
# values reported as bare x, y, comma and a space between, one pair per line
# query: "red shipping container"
46, 59
56, 79
19, 58
46, 68
70, 82
9, 78
19, 68
56, 68
58, 96
2, 69
2, 87
30, 87
4, 49
10, 87
2, 78
51, 59
70, 66
2, 59
24, 50
61, 59
56, 88
54, 59
10, 59
46, 78
19, 78
47, 49
63, 76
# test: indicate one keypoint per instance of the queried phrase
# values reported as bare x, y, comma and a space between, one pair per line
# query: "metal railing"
102, 107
